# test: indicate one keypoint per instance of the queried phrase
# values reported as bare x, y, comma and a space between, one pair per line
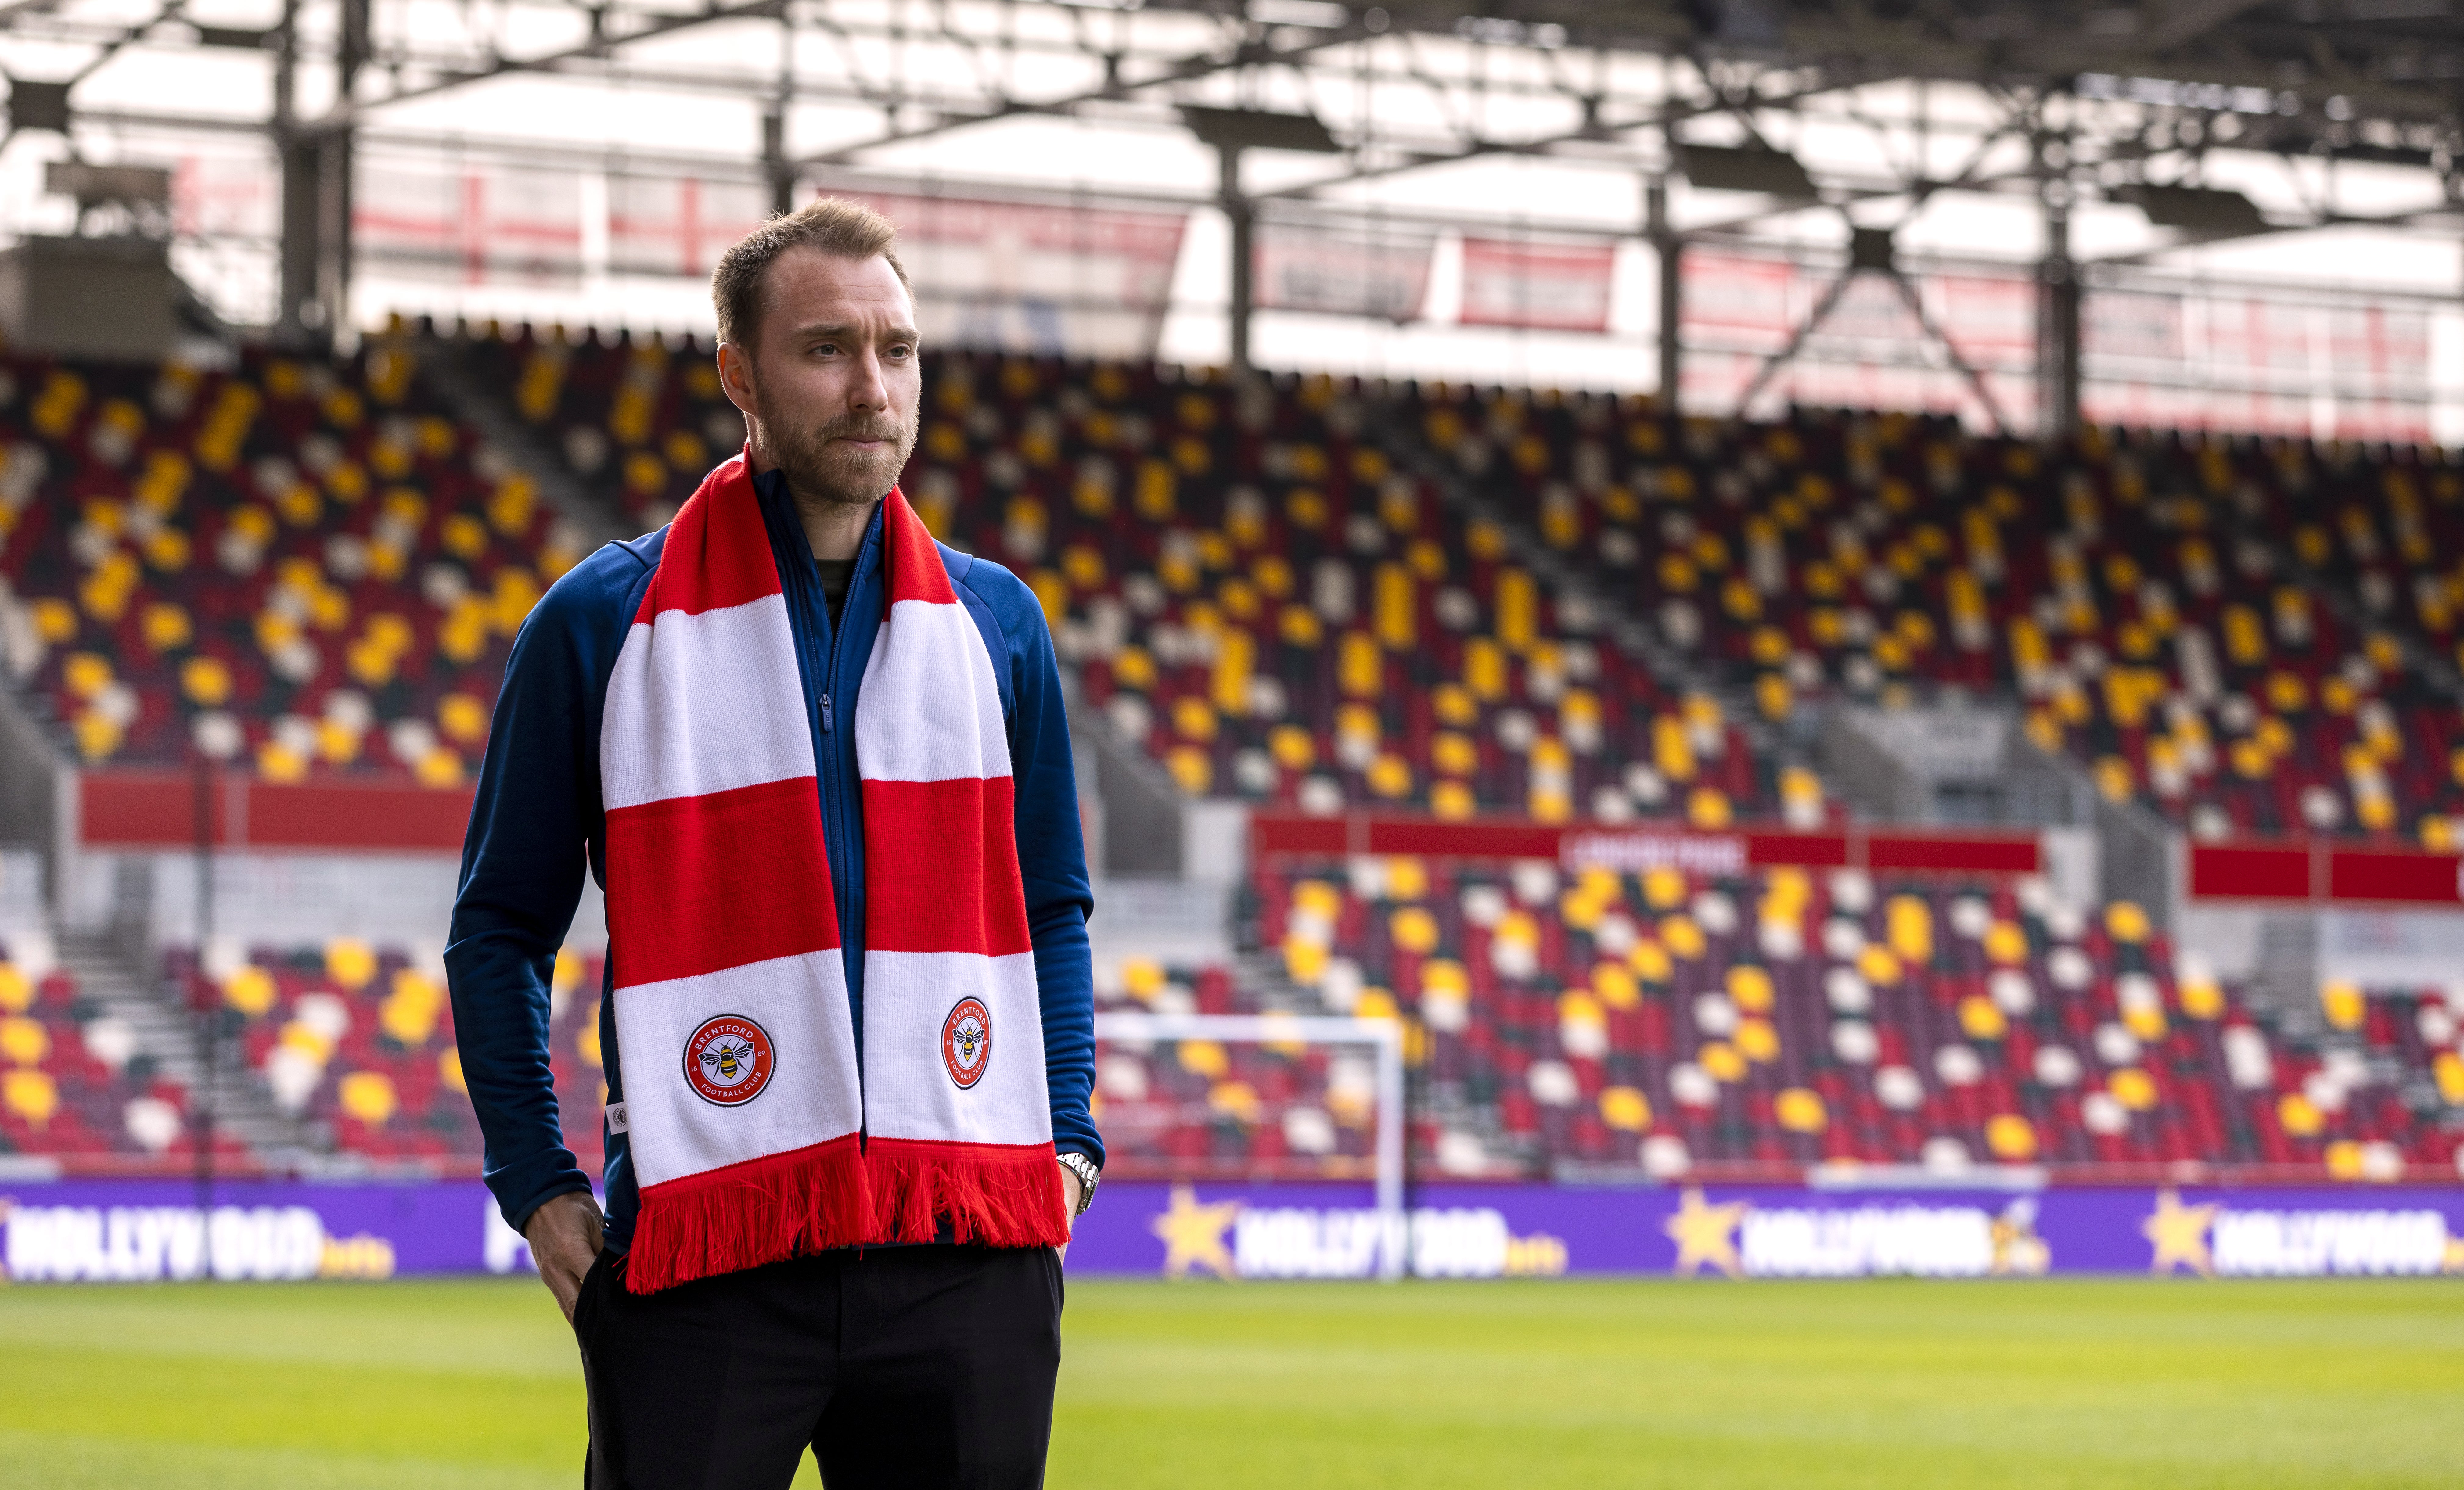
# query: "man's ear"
735, 375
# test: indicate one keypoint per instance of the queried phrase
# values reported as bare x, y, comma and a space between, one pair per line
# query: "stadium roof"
2219, 138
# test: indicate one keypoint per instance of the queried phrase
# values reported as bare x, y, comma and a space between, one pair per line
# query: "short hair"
835, 225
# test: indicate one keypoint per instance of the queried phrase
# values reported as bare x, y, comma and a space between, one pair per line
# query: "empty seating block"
297, 565
358, 1042
1787, 1020
1252, 584
1226, 1110
72, 1085
2153, 602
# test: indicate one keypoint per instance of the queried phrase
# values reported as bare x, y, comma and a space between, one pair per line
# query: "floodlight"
1248, 129
1724, 168
137, 185
242, 38
36, 105
1872, 248
2196, 209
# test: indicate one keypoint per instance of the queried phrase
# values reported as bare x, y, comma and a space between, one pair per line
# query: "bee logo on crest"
967, 1041
729, 1060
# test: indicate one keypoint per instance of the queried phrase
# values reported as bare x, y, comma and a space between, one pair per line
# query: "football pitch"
1886, 1383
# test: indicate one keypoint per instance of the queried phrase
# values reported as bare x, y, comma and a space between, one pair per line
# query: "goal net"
1243, 1098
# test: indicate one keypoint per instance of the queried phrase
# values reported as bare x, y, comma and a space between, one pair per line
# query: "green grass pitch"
442, 1386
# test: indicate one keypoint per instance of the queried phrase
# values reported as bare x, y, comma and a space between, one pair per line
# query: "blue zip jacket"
538, 810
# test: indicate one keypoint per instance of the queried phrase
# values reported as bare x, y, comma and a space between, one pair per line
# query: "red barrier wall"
159, 809
1630, 847
150, 809
2322, 870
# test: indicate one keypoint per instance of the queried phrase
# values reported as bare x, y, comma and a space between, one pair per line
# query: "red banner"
2321, 870
2249, 871
1548, 287
159, 809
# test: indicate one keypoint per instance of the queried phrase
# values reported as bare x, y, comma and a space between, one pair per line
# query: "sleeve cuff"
520, 1219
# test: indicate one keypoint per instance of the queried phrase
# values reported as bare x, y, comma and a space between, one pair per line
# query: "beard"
839, 475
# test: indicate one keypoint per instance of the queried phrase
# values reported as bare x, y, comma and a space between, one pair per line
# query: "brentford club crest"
967, 1041
728, 1060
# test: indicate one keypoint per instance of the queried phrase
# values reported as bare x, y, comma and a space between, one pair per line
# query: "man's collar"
770, 489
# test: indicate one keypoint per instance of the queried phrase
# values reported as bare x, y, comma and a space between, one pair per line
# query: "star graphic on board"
1193, 1235
2179, 1235
1706, 1234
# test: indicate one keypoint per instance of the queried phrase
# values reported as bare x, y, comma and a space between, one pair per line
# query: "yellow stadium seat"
1625, 1110
1191, 768
2009, 1138
24, 1041
368, 1096
1722, 1062
1799, 1110
1757, 1041
32, 1095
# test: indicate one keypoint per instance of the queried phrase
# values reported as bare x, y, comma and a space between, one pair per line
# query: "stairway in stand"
122, 988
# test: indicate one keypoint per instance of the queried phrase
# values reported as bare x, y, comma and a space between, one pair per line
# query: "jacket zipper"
816, 645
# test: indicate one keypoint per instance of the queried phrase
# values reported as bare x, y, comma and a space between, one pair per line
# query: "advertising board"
77, 1231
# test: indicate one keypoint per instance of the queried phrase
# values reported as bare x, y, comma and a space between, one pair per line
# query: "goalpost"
1384, 1037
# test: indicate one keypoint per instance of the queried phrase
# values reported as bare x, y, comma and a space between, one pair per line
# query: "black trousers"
911, 1367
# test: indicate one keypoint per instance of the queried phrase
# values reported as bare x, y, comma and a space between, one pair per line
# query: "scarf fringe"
762, 1211
994, 1194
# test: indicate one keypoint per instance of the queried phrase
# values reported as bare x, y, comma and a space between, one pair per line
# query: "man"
820, 767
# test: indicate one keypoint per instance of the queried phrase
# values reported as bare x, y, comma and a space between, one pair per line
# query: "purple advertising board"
148, 1229
1492, 1231
141, 1231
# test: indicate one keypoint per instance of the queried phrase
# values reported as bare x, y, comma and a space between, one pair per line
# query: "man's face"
832, 385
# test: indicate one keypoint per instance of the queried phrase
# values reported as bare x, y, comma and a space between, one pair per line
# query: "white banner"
489, 225
1554, 286
1732, 293
2263, 366
1992, 322
1302, 268
1083, 280
214, 195
678, 226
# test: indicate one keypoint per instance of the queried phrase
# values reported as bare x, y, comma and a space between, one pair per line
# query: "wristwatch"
1084, 1168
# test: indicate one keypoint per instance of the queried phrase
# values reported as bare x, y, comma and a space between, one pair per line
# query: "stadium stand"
637, 418
2129, 590
1204, 1107
1253, 585
1788, 1020
1305, 593
357, 1042
73, 1083
302, 563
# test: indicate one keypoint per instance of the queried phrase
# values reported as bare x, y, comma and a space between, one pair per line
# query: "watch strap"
1088, 1173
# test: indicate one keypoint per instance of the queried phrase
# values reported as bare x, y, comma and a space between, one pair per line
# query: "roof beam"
1187, 69
2183, 20
2416, 217
348, 112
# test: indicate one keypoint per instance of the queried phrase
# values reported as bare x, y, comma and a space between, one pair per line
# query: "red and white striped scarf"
754, 1134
